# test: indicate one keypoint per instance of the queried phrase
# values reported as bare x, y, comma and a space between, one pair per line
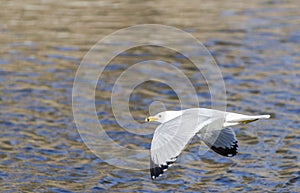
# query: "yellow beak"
150, 119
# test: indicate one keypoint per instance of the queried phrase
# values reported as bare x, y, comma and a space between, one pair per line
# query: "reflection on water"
256, 46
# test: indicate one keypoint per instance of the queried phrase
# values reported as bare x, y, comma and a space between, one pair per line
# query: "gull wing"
170, 138
222, 141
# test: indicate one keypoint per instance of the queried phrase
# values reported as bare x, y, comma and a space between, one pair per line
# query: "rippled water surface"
256, 45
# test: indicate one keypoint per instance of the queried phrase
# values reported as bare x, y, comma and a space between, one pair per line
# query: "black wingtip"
227, 151
158, 170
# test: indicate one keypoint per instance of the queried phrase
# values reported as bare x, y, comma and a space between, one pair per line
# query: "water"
256, 45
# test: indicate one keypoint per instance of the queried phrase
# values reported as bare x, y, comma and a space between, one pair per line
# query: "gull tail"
237, 119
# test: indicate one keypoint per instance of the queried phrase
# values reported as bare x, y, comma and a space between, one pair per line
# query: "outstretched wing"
222, 141
171, 138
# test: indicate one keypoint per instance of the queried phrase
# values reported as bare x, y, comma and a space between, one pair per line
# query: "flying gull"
177, 128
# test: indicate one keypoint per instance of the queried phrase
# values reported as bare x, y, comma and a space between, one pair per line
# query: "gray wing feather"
222, 141
171, 138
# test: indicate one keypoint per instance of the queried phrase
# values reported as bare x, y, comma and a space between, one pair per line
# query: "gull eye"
159, 116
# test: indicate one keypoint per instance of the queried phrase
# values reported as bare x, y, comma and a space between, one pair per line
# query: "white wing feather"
171, 138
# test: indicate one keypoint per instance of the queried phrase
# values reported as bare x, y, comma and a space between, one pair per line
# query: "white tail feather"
236, 119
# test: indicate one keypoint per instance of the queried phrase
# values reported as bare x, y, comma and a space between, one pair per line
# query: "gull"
177, 128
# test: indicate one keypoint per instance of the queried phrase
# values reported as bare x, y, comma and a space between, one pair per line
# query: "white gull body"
177, 128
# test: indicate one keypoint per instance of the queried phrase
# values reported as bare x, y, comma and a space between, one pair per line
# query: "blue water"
256, 47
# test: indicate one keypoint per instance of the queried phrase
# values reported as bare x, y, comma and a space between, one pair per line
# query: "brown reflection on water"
255, 43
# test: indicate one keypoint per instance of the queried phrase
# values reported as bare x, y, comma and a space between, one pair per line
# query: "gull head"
163, 117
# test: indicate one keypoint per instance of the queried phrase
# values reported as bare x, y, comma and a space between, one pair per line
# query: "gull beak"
150, 119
